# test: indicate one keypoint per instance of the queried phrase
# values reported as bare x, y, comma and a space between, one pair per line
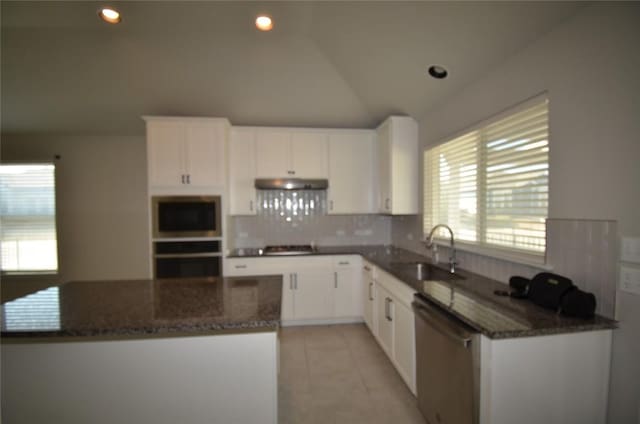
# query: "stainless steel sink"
425, 271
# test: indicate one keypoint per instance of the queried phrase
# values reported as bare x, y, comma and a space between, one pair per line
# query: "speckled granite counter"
471, 298
141, 308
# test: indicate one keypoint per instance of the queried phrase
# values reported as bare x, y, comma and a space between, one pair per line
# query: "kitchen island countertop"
146, 308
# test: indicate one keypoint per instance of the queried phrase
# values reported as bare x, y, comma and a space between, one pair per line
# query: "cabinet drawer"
347, 261
248, 266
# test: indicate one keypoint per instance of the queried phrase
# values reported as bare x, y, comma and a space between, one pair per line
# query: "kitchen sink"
425, 271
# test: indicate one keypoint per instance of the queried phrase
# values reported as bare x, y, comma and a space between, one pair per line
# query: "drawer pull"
240, 266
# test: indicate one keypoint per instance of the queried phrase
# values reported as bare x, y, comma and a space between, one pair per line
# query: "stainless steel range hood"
291, 184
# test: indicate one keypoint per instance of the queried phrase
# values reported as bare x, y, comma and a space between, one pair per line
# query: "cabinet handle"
290, 281
366, 268
251, 205
295, 281
387, 309
182, 178
386, 204
371, 292
330, 205
240, 266
335, 280
188, 178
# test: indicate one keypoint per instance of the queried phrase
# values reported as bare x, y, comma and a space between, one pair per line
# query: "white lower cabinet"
395, 325
318, 289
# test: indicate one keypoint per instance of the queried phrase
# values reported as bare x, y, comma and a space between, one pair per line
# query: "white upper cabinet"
398, 166
186, 155
351, 173
291, 153
242, 172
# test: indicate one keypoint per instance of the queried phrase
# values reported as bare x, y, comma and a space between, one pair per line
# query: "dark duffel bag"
546, 289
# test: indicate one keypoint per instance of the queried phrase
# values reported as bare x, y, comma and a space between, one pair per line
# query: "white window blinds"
491, 185
27, 218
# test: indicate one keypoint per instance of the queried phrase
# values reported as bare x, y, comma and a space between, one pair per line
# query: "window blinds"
27, 218
491, 185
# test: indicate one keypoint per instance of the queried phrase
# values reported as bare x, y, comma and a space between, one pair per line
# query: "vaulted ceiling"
325, 64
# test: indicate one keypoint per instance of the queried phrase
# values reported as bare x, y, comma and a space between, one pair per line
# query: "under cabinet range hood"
291, 184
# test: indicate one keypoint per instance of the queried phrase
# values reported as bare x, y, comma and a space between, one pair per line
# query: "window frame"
36, 272
480, 247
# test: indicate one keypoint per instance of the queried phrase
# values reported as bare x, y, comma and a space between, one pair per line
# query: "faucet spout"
429, 243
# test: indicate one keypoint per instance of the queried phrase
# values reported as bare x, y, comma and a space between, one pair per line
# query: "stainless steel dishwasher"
447, 366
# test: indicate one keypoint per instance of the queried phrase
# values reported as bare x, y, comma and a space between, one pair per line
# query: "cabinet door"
165, 152
312, 298
351, 182
309, 153
242, 172
369, 298
384, 167
204, 148
272, 154
404, 343
385, 319
404, 165
287, 311
346, 299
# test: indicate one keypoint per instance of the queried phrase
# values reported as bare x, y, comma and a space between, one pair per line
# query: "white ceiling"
326, 64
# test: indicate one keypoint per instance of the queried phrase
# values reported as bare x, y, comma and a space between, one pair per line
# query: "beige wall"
101, 185
589, 67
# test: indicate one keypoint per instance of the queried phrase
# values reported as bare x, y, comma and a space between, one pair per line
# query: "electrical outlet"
630, 279
631, 250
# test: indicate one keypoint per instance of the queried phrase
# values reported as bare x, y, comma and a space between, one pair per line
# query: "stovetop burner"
301, 249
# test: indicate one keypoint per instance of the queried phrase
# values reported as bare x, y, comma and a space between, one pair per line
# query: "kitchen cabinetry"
369, 296
242, 172
291, 153
319, 289
351, 172
186, 155
396, 326
397, 150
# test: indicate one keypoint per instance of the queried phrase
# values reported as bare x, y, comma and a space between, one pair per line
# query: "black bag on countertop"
546, 289
578, 303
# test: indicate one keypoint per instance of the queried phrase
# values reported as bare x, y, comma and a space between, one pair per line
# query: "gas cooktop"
301, 249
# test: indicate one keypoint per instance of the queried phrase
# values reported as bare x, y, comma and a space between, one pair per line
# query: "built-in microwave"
186, 216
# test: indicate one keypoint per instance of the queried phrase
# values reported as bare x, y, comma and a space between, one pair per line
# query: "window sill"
18, 274
531, 260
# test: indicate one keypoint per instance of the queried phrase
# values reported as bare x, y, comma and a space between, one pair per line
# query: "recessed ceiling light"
264, 23
109, 15
438, 72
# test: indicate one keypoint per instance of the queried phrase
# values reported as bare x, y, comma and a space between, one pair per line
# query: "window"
491, 185
28, 218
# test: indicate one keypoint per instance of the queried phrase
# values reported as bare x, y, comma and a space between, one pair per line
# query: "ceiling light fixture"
438, 72
264, 23
109, 15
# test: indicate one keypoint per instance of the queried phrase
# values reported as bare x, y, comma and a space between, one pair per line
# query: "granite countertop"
138, 308
470, 298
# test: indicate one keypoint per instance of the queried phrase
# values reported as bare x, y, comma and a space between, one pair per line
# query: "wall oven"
186, 216
187, 259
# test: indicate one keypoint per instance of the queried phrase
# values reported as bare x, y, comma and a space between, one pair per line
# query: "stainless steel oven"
187, 259
186, 216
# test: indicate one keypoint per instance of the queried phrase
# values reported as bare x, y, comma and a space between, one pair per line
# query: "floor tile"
338, 374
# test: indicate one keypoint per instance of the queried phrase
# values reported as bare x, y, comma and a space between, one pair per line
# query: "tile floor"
336, 374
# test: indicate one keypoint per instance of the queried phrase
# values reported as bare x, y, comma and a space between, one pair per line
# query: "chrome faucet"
429, 243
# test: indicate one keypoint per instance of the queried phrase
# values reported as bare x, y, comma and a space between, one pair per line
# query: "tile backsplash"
322, 230
583, 250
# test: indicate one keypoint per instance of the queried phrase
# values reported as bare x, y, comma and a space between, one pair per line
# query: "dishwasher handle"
443, 324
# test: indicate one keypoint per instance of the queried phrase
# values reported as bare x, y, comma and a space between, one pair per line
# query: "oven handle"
187, 255
444, 325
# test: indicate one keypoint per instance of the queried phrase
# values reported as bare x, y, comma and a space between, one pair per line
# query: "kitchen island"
161, 351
